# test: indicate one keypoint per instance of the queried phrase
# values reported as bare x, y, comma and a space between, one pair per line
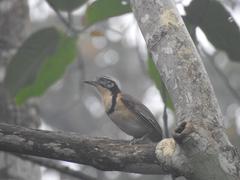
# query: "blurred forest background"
49, 47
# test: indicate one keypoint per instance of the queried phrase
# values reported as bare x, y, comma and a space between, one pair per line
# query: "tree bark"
200, 133
102, 153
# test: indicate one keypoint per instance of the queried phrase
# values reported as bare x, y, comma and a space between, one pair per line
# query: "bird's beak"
93, 83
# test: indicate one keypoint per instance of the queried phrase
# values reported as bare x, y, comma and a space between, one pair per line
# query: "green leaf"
40, 61
103, 9
155, 76
24, 66
66, 5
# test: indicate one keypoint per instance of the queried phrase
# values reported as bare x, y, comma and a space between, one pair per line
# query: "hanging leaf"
155, 76
66, 5
39, 62
102, 9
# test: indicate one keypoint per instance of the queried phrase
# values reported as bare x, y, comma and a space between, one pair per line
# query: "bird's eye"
102, 81
110, 85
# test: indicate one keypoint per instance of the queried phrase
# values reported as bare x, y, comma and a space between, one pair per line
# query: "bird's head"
105, 85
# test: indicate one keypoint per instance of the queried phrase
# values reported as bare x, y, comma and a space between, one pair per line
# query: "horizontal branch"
52, 164
101, 153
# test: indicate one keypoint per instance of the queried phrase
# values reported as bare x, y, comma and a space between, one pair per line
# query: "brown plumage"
130, 115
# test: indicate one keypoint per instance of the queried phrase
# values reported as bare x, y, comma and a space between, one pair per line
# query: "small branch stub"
166, 147
171, 158
203, 153
183, 131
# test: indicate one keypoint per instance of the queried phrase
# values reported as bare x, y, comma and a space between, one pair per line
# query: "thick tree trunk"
200, 134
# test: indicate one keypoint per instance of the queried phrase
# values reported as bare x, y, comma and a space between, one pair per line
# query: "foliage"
66, 5
39, 62
44, 56
103, 9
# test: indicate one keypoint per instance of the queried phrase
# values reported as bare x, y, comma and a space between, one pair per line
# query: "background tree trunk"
14, 18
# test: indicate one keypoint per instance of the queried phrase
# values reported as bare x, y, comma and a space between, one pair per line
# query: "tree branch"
102, 153
224, 78
56, 166
200, 133
68, 23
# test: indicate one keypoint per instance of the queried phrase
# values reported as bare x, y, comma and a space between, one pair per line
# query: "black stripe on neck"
114, 102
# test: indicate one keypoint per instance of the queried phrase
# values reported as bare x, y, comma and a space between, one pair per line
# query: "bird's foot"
135, 141
141, 140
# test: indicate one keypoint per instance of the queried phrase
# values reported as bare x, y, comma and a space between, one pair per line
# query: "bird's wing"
141, 111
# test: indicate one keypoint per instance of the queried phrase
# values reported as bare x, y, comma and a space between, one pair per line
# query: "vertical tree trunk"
200, 134
14, 17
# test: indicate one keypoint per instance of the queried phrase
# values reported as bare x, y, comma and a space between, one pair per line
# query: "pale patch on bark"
145, 18
167, 50
13, 138
168, 17
166, 147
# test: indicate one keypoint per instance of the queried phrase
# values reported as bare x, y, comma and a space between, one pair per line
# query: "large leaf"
155, 76
103, 9
24, 66
66, 5
40, 62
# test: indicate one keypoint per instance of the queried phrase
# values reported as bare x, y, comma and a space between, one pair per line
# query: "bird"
129, 114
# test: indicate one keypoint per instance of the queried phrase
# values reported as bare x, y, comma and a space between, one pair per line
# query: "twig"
68, 24
53, 165
81, 68
225, 79
165, 115
70, 18
64, 21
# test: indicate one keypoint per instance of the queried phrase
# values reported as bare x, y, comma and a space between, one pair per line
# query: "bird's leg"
134, 141
139, 140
